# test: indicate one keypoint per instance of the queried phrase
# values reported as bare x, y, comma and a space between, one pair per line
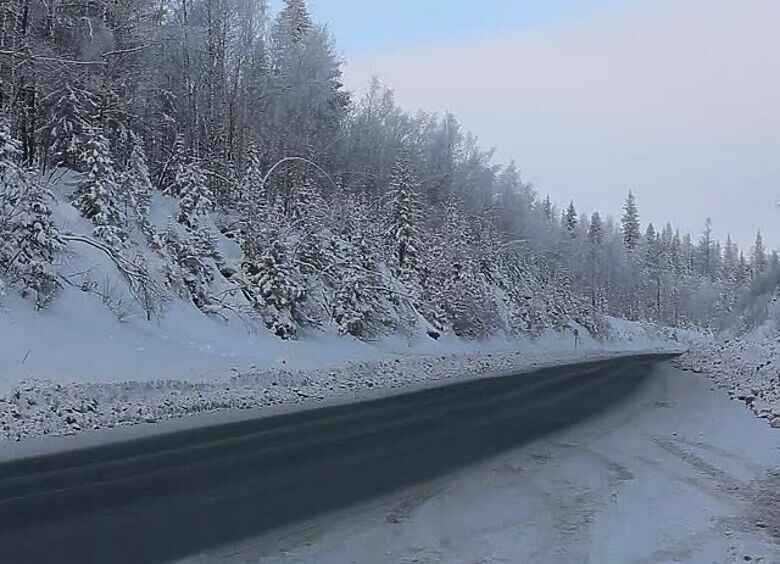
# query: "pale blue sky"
369, 25
678, 100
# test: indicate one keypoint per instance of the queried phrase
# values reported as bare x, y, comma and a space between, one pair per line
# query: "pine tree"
706, 251
596, 230
11, 174
190, 268
548, 210
255, 205
97, 195
195, 198
403, 216
357, 307
630, 223
307, 103
136, 183
29, 240
37, 241
596, 241
570, 220
274, 288
758, 256
70, 116
730, 259
292, 24
654, 265
12, 182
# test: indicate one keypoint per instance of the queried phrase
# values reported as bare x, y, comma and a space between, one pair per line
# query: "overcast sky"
678, 100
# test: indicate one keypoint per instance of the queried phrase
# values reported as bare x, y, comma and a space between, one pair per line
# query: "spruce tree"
292, 24
190, 268
596, 242
570, 220
357, 307
404, 215
630, 223
654, 264
37, 241
136, 183
70, 128
195, 197
758, 256
29, 239
97, 195
255, 206
548, 209
274, 287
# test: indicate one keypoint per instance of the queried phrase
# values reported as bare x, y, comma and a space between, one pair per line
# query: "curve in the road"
162, 498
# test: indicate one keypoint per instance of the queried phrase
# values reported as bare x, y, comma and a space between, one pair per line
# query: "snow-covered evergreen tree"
97, 195
630, 222
254, 201
404, 216
758, 255
29, 240
596, 242
358, 307
191, 268
71, 112
273, 285
548, 210
190, 186
36, 241
571, 220
136, 182
292, 25
706, 252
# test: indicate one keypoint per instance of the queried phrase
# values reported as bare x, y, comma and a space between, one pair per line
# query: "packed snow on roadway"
747, 367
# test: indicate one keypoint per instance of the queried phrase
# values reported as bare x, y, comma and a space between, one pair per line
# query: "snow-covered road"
677, 473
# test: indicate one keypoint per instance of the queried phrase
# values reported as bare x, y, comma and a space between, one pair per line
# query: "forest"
183, 129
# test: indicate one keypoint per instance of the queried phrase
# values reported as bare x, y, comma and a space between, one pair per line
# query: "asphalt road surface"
163, 498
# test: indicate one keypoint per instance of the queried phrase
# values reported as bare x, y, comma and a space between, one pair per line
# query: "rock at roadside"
775, 423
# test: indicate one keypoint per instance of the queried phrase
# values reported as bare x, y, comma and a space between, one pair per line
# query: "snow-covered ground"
76, 367
668, 476
92, 360
748, 367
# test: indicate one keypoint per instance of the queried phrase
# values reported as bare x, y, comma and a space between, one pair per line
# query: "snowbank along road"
166, 497
673, 473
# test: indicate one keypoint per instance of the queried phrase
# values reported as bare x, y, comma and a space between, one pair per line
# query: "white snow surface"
91, 360
747, 367
75, 367
665, 477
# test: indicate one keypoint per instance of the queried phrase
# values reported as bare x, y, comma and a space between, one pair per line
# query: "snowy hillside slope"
307, 371
101, 327
110, 350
